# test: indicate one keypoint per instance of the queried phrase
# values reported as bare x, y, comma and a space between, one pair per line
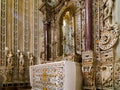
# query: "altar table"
62, 75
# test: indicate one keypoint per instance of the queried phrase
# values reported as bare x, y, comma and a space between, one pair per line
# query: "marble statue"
21, 60
9, 66
31, 60
10, 59
21, 66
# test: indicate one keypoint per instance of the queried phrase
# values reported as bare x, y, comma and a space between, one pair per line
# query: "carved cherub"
10, 59
21, 61
31, 62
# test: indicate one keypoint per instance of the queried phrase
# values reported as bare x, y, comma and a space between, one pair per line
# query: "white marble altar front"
62, 75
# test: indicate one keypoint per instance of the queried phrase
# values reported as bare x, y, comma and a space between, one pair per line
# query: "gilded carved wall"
20, 41
100, 64
106, 40
59, 33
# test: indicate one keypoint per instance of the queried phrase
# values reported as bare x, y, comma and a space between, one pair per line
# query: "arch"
72, 8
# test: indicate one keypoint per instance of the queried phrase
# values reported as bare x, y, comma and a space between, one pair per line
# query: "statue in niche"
31, 60
10, 59
68, 33
21, 66
21, 61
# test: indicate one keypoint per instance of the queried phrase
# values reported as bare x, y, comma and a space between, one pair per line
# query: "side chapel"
44, 41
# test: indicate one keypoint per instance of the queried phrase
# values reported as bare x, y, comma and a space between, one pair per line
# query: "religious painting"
68, 33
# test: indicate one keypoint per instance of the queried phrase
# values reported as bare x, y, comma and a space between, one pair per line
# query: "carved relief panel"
107, 67
109, 31
106, 36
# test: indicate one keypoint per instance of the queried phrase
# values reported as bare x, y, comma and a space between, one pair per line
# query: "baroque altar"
62, 75
87, 28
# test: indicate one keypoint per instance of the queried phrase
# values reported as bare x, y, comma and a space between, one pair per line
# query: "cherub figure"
31, 60
10, 59
21, 61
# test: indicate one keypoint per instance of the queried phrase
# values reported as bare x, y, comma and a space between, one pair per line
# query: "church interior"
59, 45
